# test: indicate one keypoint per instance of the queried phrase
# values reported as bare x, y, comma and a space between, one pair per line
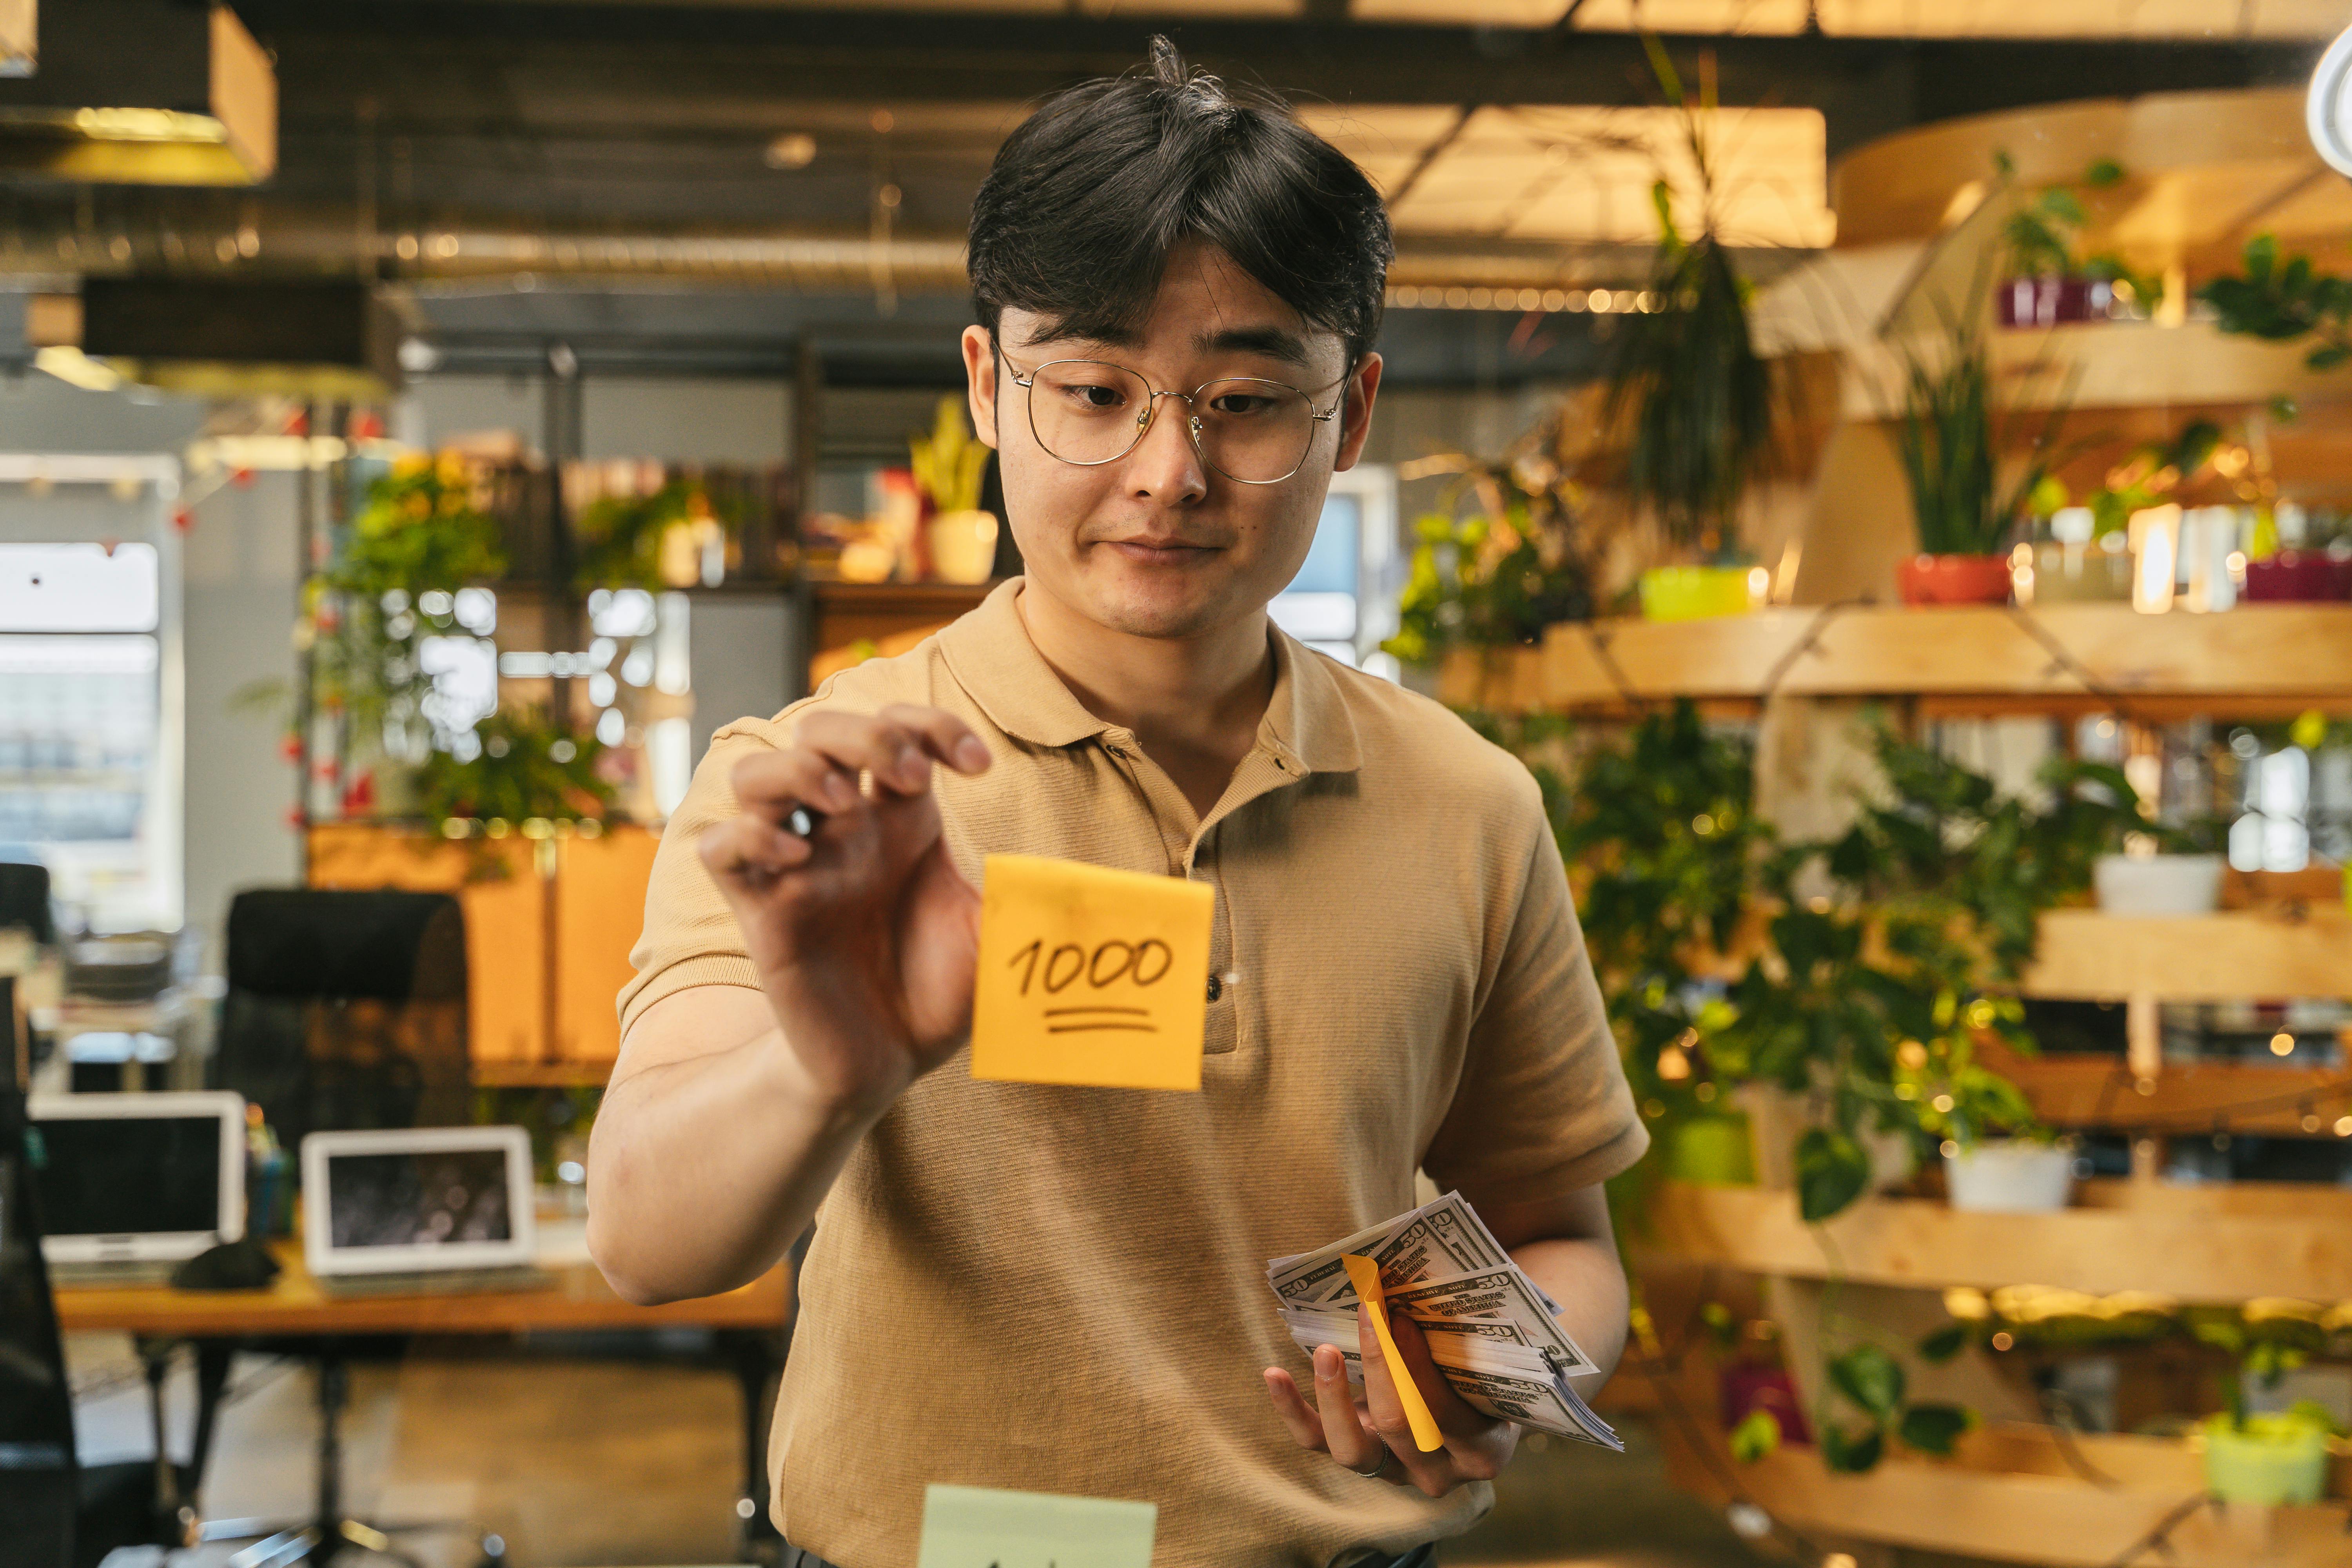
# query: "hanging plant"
1685, 381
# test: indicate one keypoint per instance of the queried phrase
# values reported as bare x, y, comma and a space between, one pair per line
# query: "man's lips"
1158, 552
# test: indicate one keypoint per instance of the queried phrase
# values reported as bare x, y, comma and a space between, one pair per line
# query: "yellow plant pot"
963, 545
1697, 593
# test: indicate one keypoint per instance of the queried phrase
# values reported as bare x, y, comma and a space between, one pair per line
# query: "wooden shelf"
2279, 657
2270, 954
2125, 1237
2087, 1090
2010, 1495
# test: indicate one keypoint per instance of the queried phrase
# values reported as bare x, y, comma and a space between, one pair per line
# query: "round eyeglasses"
1089, 411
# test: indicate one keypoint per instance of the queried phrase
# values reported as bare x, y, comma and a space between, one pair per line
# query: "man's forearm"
701, 1172
1584, 1275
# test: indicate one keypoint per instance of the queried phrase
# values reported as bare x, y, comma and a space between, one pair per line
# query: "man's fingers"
1344, 1436
945, 736
771, 784
896, 747
747, 850
1306, 1427
1454, 1415
1384, 1407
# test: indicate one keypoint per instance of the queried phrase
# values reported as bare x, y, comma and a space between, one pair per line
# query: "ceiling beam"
427, 60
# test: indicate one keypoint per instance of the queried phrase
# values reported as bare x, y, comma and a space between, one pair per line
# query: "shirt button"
1216, 988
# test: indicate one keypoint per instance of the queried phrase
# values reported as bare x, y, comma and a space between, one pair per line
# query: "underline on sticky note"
1365, 1276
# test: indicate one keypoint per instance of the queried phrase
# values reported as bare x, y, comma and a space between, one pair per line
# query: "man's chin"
1162, 609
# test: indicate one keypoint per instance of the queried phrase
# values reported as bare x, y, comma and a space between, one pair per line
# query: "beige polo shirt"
1062, 1290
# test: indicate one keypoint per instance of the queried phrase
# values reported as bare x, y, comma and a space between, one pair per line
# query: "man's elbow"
623, 1273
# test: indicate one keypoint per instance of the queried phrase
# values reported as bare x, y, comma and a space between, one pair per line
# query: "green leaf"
1832, 1171
1944, 1344
1935, 1428
1853, 1454
2103, 172
1758, 1434
1871, 1378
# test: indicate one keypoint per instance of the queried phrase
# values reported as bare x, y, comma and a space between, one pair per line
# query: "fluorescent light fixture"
202, 111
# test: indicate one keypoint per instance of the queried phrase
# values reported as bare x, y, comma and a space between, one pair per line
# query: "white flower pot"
2158, 884
2010, 1177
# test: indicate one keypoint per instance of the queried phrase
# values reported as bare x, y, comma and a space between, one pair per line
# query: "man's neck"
1193, 703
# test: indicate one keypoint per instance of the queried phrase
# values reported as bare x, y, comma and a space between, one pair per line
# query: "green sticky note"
973, 1527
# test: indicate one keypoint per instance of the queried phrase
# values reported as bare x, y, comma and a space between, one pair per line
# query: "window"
1342, 601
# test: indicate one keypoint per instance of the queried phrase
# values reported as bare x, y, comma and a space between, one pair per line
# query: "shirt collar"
989, 652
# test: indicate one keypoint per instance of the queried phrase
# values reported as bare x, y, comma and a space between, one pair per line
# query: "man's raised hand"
864, 934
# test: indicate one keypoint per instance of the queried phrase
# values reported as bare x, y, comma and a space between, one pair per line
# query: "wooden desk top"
294, 1303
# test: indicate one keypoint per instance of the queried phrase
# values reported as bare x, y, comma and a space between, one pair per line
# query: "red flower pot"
1953, 579
2299, 576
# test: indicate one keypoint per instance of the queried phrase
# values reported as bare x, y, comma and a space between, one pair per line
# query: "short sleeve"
691, 937
1542, 1107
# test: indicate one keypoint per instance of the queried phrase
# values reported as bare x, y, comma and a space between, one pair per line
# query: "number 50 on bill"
1090, 976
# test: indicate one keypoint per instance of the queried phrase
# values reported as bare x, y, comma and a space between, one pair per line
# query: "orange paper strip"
1365, 1276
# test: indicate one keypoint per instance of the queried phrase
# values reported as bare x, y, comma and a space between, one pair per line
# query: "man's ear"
980, 381
1363, 384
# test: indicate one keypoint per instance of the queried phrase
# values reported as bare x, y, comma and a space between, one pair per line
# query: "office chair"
25, 899
345, 1010
56, 1512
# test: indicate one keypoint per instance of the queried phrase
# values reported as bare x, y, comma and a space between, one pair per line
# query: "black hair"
1087, 198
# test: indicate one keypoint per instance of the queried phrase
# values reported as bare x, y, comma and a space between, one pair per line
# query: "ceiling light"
793, 150
203, 112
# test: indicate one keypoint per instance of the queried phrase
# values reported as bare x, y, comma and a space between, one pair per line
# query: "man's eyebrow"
1271, 341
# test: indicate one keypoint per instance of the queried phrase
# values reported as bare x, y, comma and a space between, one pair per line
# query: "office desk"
749, 1324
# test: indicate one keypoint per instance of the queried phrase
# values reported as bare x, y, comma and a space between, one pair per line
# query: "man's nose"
1165, 465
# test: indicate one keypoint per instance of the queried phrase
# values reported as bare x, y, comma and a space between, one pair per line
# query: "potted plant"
948, 465
1998, 1156
1949, 437
2279, 1456
2045, 283
1687, 386
1520, 560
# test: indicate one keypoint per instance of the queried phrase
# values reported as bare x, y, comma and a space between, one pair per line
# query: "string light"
2281, 1044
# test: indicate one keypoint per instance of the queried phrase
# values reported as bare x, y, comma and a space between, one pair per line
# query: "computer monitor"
137, 1178
423, 1198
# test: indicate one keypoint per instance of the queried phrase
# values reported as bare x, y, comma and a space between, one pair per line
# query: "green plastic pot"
2276, 1459
1717, 1150
1695, 592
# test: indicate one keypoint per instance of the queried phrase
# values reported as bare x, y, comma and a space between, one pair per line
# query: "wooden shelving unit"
2014, 1495
2267, 953
2253, 660
2230, 1244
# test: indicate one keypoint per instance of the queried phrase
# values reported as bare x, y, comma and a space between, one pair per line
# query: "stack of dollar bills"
1491, 1329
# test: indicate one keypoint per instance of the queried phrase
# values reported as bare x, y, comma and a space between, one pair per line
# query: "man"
1061, 1289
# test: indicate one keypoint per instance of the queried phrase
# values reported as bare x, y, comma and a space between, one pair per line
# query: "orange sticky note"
1090, 976
1365, 1276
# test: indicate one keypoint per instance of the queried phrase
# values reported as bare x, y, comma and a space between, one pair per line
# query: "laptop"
423, 1209
130, 1185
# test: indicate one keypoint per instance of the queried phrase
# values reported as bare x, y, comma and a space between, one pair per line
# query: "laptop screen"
424, 1198
128, 1175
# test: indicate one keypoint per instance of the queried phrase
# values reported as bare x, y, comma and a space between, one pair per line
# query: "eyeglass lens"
1083, 411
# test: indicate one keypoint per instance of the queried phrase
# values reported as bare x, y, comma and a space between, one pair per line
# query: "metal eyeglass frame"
1027, 384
